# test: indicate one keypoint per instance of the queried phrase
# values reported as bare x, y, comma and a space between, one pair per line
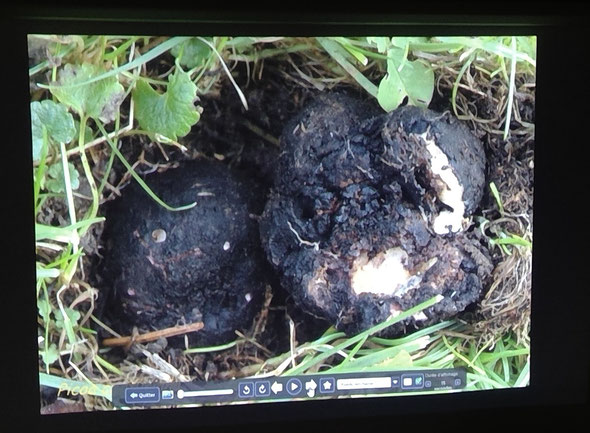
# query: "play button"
294, 386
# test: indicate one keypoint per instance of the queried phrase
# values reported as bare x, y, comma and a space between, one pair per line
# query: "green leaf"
400, 41
401, 360
56, 120
338, 53
51, 355
138, 61
97, 99
496, 195
403, 41
192, 53
405, 78
391, 93
73, 317
44, 308
88, 133
513, 239
419, 83
171, 114
63, 234
55, 183
382, 43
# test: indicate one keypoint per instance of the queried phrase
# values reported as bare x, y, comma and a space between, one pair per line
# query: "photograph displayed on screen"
238, 220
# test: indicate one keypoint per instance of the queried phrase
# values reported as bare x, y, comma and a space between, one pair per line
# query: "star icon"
327, 385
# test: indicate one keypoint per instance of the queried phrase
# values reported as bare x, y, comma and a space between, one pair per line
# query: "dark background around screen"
559, 336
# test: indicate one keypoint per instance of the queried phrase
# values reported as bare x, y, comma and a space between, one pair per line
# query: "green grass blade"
496, 195
212, 348
458, 80
121, 48
380, 356
425, 331
150, 55
135, 176
63, 234
513, 239
510, 89
492, 357
108, 365
524, 376
377, 328
335, 50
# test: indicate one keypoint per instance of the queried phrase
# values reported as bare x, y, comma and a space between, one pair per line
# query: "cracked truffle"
438, 161
366, 219
203, 264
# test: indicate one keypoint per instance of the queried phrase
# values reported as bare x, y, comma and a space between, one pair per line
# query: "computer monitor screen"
239, 220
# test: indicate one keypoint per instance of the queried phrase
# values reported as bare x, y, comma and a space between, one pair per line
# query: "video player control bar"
289, 387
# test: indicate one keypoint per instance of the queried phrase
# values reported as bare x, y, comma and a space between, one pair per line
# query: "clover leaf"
44, 308
405, 78
171, 114
192, 53
72, 315
56, 182
55, 119
93, 98
50, 355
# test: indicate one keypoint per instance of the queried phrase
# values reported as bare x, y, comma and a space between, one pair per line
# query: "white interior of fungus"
452, 195
382, 275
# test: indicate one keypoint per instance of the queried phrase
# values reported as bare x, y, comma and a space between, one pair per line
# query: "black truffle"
167, 268
360, 225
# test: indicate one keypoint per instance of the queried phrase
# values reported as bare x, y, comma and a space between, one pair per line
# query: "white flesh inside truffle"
382, 275
452, 195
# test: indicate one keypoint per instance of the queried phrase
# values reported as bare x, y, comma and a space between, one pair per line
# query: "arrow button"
246, 389
262, 388
142, 395
310, 386
294, 386
276, 387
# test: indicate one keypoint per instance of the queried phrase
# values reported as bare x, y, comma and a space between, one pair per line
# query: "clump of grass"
499, 364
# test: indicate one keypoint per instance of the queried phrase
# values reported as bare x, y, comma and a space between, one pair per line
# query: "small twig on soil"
261, 133
115, 134
152, 336
254, 342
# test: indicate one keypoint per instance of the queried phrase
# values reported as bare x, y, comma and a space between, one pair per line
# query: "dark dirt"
203, 264
355, 191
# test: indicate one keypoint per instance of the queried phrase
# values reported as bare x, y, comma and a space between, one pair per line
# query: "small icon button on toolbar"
413, 381
294, 386
276, 387
246, 389
262, 388
142, 395
327, 385
310, 387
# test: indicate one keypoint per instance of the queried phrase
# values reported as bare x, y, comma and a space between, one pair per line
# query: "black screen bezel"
555, 384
